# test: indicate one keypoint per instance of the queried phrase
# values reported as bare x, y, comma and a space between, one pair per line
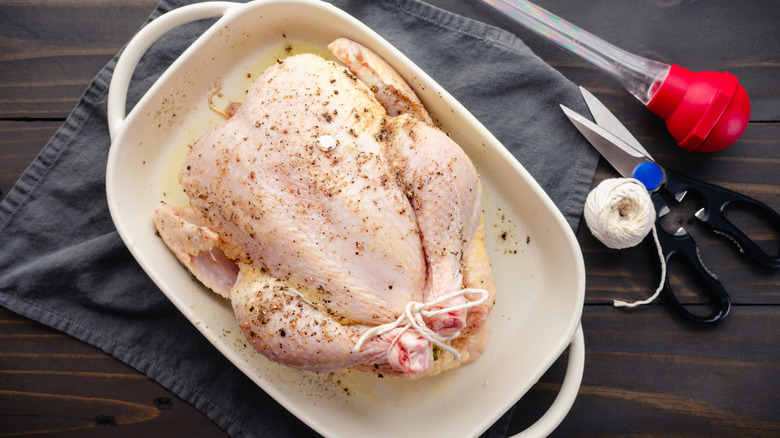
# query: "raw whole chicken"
342, 225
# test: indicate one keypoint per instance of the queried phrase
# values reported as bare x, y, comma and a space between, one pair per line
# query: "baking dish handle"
135, 49
568, 392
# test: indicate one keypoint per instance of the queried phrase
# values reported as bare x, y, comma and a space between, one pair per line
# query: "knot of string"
620, 214
414, 317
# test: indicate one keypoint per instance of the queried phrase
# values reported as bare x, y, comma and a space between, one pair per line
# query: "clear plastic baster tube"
639, 75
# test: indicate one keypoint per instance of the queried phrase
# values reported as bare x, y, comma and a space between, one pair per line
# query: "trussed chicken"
341, 224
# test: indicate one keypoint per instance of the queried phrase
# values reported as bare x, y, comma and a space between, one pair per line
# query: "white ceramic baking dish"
537, 262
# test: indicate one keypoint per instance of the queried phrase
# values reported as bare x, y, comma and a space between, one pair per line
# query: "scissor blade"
608, 121
620, 155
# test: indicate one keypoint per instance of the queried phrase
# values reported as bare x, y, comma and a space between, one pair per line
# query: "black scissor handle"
683, 248
717, 199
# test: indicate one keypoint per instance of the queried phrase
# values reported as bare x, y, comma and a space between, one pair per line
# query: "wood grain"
651, 374
53, 49
53, 384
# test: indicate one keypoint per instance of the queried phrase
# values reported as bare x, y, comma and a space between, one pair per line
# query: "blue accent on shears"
649, 174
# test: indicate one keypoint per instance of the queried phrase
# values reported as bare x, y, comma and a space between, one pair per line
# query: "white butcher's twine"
413, 317
620, 213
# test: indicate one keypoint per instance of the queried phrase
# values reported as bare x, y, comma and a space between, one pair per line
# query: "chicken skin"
333, 215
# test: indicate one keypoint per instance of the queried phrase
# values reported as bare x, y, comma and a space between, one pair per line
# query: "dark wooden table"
648, 372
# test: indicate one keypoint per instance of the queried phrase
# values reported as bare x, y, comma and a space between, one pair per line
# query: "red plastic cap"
704, 111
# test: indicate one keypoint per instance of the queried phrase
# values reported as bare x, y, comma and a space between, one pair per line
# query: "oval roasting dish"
537, 263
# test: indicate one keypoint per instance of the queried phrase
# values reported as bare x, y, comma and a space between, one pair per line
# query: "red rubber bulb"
704, 112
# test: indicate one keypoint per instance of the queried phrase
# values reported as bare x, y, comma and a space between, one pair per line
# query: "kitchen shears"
624, 152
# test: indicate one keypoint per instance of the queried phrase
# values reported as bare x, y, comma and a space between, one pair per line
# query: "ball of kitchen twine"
619, 212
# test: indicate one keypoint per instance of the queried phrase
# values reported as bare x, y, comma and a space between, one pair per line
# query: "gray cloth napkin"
62, 262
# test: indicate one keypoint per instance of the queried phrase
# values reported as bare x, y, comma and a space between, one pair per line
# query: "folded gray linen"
63, 264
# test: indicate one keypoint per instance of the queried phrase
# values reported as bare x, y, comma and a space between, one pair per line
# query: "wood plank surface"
648, 372
54, 384
653, 374
53, 49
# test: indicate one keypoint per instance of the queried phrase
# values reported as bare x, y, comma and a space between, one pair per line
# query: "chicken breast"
342, 225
